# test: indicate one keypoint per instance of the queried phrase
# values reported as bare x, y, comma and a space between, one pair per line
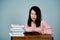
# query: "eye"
32, 13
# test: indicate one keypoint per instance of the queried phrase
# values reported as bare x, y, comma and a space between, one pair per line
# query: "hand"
42, 31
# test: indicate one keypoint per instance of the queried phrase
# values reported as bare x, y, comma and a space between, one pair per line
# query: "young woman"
35, 22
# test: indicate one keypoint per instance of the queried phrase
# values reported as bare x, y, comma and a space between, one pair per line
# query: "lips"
33, 18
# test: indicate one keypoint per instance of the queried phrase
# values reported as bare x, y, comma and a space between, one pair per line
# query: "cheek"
33, 16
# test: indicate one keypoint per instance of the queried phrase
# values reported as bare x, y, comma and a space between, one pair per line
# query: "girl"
36, 23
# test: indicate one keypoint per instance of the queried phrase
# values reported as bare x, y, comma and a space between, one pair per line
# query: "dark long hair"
38, 14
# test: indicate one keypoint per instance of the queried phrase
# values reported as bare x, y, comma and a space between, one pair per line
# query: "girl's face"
33, 15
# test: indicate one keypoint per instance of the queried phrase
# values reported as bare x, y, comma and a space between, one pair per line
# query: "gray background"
16, 12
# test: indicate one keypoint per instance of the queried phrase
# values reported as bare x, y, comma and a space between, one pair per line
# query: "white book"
17, 31
16, 28
15, 34
12, 25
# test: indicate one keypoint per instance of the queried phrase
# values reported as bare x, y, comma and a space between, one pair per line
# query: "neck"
33, 21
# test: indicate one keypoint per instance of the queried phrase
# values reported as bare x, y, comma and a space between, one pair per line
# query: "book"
17, 25
16, 34
17, 30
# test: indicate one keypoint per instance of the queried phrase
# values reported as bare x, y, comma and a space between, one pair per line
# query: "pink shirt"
44, 25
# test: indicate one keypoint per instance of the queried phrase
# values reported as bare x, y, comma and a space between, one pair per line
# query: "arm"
47, 28
27, 28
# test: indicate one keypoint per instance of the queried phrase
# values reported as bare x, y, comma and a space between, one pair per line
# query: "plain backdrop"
16, 12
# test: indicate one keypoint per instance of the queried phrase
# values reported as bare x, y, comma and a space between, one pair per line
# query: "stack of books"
16, 30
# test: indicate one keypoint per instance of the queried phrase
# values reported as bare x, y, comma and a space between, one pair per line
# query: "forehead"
32, 11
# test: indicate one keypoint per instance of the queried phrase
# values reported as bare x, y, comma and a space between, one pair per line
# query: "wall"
16, 12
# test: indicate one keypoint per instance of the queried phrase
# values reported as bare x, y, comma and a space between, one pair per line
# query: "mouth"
33, 18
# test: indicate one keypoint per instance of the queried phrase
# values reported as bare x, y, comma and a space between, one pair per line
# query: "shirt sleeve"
27, 28
47, 28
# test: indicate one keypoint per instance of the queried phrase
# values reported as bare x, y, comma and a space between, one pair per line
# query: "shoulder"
42, 21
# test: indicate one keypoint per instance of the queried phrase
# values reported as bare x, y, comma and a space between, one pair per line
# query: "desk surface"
32, 37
